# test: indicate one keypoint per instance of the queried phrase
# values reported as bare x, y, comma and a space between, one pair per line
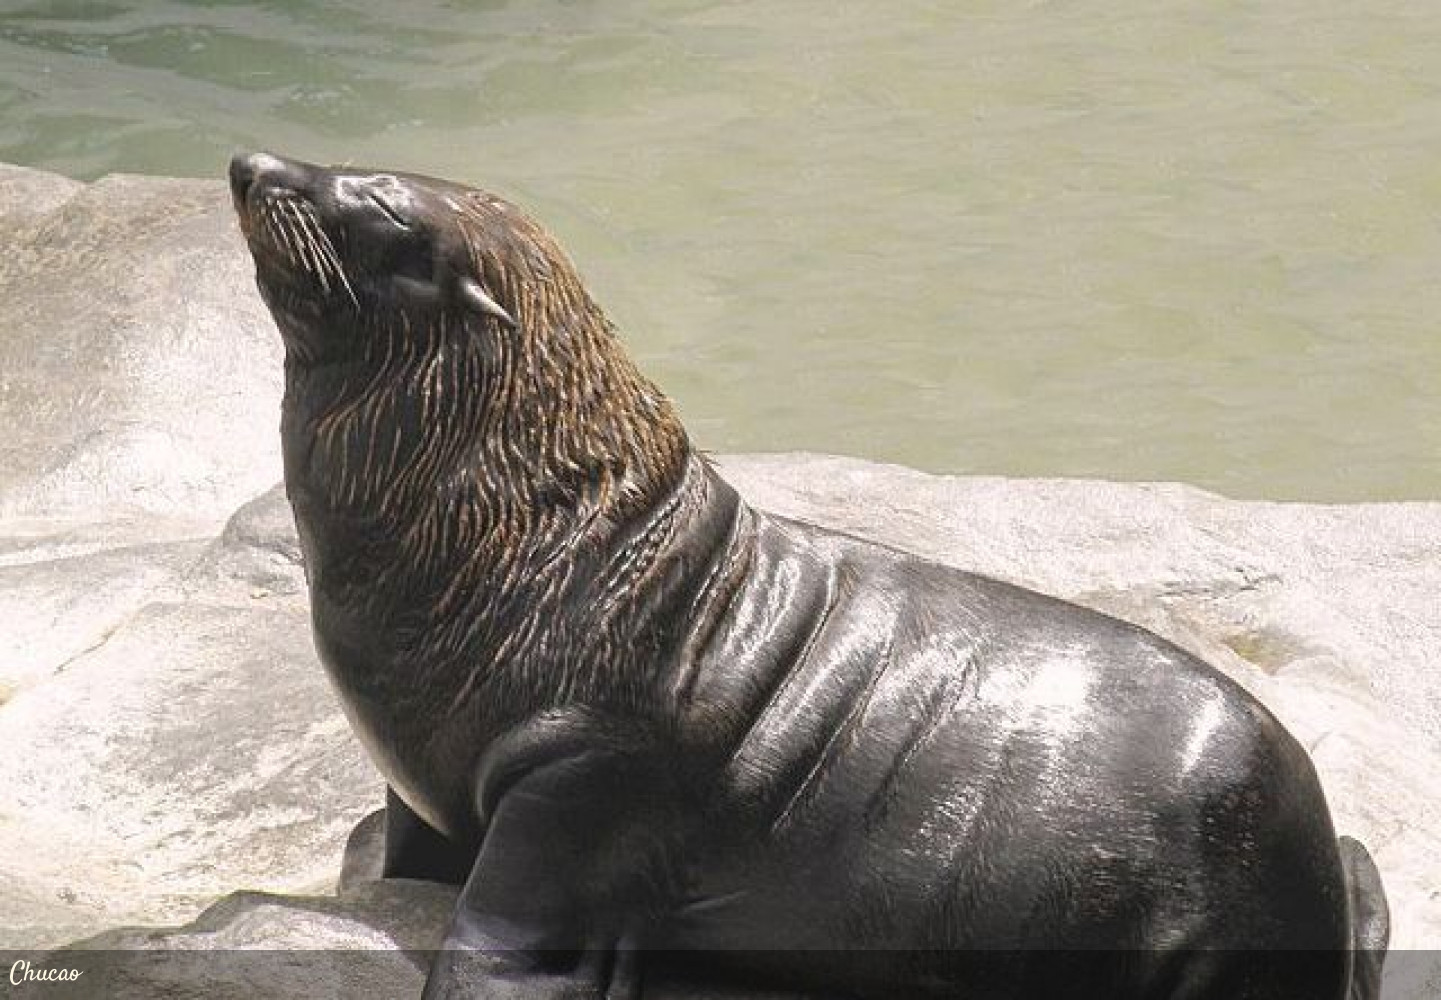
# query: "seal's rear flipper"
1370, 919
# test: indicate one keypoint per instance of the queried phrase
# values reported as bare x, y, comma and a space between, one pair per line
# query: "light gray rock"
167, 737
369, 942
138, 368
257, 555
26, 195
198, 749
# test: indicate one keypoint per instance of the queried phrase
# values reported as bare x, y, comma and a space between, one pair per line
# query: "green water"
1137, 240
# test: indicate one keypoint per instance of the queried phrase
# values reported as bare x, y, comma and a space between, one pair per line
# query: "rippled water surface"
1139, 240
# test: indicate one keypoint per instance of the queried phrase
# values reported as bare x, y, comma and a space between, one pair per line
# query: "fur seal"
653, 730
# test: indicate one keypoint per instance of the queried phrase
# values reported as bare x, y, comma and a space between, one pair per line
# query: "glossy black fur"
747, 749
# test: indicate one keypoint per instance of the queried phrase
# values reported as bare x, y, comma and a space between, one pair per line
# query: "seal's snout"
246, 169
283, 227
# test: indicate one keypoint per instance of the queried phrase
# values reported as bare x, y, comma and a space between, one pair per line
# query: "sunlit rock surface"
167, 737
133, 350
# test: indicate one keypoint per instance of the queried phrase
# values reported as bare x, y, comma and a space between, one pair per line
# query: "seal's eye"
387, 209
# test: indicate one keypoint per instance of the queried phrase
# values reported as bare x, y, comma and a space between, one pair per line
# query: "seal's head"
430, 326
331, 246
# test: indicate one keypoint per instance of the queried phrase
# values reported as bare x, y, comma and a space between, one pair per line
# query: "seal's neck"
498, 502
540, 430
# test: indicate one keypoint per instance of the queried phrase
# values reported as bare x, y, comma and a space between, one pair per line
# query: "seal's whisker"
316, 266
281, 234
284, 235
307, 242
293, 223
325, 261
325, 249
267, 224
329, 249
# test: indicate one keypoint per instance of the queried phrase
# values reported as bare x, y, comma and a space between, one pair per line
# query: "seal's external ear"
477, 298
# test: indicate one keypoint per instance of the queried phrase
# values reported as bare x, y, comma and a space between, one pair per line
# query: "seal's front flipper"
599, 974
580, 833
414, 849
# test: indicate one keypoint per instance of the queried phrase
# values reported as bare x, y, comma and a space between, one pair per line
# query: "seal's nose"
247, 168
